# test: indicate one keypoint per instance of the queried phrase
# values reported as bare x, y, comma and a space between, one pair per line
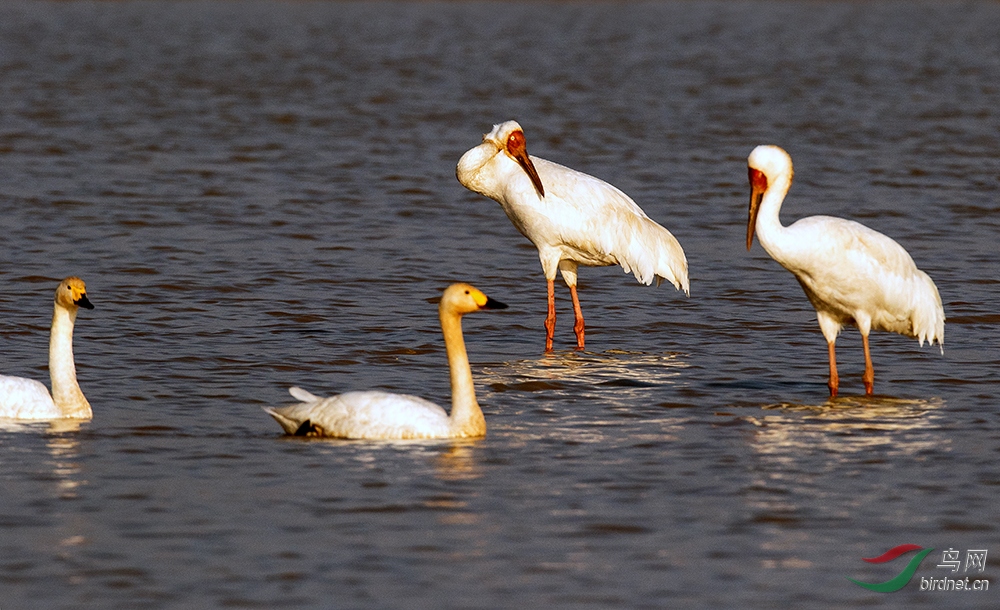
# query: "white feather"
850, 273
365, 415
386, 416
578, 220
302, 395
22, 398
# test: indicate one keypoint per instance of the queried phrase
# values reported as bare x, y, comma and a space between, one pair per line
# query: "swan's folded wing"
22, 398
365, 415
303, 395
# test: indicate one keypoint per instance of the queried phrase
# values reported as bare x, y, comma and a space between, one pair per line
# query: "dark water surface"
262, 194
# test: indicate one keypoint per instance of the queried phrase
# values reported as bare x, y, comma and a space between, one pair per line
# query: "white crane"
385, 416
851, 274
572, 218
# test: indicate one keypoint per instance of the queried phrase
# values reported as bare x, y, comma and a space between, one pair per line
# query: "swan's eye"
467, 292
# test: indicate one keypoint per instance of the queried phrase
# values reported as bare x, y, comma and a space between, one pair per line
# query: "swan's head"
72, 293
766, 165
505, 139
463, 298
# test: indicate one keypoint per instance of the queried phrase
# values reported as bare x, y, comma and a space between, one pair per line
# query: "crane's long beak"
758, 184
529, 169
519, 151
755, 198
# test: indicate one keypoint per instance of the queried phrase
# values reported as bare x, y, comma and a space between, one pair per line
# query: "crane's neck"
66, 393
493, 174
466, 416
773, 236
476, 172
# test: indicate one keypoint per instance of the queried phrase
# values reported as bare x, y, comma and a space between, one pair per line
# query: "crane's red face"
758, 184
517, 149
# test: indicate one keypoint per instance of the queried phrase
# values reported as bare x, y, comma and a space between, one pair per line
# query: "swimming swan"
385, 416
22, 398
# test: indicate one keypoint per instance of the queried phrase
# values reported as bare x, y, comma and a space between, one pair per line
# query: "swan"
850, 273
385, 416
572, 218
22, 398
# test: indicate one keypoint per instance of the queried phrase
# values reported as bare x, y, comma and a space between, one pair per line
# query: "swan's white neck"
66, 393
466, 416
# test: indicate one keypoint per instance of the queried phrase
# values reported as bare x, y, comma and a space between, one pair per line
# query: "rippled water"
263, 194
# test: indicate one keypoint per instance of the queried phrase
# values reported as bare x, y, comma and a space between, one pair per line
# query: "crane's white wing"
853, 271
586, 220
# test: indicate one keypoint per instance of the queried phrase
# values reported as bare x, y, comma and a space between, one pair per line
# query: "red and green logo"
900, 581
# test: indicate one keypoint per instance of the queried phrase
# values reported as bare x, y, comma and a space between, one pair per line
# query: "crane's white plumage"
386, 416
22, 398
572, 218
850, 273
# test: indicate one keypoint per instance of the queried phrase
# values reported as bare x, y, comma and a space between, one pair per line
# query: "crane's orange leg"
578, 325
834, 382
869, 376
550, 319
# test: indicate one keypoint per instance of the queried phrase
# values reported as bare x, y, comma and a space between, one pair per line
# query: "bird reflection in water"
795, 446
457, 462
64, 445
621, 369
850, 425
450, 460
583, 395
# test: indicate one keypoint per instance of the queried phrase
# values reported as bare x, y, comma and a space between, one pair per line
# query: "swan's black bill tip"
494, 304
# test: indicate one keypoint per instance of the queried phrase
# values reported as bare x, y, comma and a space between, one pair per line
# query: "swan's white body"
366, 414
850, 273
386, 416
572, 218
27, 399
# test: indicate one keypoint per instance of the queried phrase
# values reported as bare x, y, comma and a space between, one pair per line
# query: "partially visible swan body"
385, 416
22, 398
